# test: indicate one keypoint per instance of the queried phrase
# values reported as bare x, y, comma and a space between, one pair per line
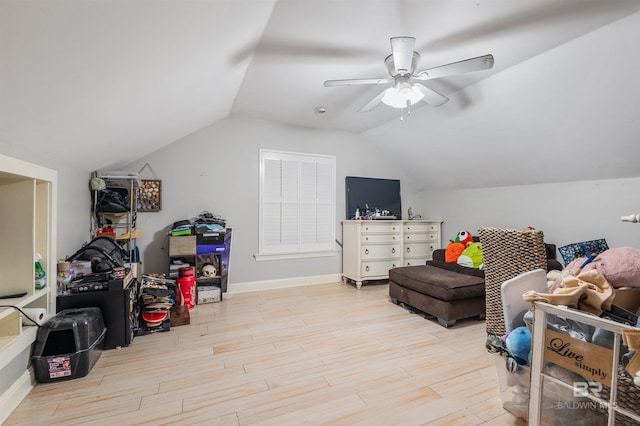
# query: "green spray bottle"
40, 274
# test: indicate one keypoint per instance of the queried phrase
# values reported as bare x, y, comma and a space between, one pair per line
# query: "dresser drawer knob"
366, 251
393, 250
366, 268
408, 249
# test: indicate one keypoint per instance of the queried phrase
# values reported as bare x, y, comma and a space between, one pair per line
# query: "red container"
186, 271
187, 288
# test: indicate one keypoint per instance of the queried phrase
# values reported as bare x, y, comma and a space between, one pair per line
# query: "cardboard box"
182, 246
208, 294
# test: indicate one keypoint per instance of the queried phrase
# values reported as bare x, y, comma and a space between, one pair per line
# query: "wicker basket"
506, 254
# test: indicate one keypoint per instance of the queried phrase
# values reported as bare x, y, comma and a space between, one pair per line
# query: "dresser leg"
358, 284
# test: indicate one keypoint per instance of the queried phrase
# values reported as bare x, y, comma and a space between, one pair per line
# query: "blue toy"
519, 345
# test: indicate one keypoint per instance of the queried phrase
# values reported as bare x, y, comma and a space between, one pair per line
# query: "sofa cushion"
454, 267
438, 282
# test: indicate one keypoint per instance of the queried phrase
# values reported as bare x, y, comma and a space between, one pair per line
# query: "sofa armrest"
439, 255
454, 267
553, 264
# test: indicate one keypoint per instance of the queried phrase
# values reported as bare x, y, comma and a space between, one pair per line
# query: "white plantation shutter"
297, 203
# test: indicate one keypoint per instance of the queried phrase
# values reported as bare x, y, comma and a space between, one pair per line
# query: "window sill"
287, 256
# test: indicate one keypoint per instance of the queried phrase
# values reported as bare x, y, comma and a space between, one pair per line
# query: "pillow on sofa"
583, 249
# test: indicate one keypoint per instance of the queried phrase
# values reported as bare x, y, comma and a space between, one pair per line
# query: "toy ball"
209, 271
464, 237
519, 345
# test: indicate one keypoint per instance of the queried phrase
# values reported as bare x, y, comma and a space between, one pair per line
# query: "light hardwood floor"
322, 354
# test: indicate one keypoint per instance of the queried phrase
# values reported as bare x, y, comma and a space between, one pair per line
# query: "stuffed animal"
471, 257
464, 237
453, 251
519, 345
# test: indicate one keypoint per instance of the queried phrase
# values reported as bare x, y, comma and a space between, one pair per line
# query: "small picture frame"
150, 196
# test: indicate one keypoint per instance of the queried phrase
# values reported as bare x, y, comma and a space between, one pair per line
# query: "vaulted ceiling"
78, 77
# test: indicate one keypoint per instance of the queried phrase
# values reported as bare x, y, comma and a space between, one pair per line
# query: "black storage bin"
68, 345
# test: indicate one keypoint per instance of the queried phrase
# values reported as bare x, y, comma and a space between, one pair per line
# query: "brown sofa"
447, 291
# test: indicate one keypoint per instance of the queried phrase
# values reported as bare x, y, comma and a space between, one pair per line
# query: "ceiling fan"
401, 65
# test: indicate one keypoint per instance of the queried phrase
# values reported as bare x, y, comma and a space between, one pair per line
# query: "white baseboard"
16, 393
283, 283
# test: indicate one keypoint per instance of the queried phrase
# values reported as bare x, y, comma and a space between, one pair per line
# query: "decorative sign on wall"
150, 196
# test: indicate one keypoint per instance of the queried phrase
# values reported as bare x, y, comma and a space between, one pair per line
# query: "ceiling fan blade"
352, 81
402, 51
374, 102
461, 67
432, 97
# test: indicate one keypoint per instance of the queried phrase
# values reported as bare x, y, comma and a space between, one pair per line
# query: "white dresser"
371, 248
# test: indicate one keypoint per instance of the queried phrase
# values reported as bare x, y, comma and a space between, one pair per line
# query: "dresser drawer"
415, 262
430, 236
378, 269
421, 227
380, 238
382, 251
422, 251
379, 227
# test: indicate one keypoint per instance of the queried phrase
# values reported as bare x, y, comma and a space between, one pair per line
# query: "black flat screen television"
383, 194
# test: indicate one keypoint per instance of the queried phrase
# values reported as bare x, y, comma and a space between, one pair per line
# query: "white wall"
565, 212
216, 170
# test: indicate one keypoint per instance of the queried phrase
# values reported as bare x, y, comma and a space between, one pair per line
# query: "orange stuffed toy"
453, 251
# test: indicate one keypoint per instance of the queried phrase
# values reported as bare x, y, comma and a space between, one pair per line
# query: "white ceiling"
77, 76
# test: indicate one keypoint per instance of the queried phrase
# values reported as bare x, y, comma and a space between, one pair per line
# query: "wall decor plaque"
150, 196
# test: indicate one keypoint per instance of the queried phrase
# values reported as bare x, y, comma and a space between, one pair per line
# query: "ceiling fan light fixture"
401, 95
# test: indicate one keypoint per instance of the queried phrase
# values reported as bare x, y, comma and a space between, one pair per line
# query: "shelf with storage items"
27, 208
117, 219
200, 253
371, 248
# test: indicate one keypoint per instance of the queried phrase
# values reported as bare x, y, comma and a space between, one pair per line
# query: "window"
297, 203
